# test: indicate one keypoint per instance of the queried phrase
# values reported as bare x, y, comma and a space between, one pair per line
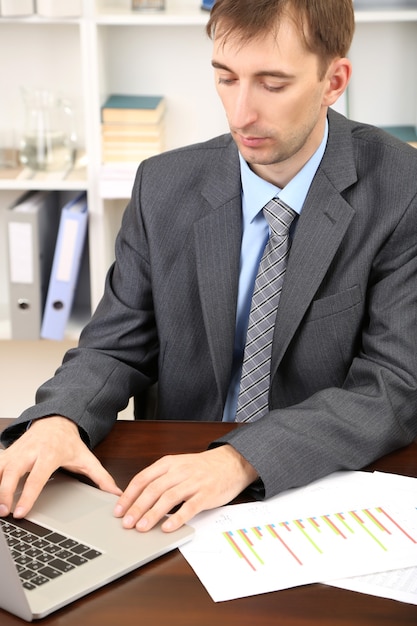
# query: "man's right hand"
49, 443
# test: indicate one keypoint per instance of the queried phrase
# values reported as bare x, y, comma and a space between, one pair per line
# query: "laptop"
69, 545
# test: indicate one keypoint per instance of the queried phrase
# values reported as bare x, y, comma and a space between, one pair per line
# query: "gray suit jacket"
344, 366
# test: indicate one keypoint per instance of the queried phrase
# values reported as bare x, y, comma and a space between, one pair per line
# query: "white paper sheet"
346, 525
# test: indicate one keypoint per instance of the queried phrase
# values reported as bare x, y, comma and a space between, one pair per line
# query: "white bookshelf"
110, 48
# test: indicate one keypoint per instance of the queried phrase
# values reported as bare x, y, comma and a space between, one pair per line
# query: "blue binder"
65, 268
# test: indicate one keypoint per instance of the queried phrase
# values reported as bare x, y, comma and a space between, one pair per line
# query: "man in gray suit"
343, 370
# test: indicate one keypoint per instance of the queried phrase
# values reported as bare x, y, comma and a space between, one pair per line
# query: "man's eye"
271, 87
224, 80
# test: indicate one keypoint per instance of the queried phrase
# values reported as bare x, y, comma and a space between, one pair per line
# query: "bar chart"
300, 540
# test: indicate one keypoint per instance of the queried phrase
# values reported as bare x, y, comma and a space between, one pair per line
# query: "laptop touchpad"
66, 499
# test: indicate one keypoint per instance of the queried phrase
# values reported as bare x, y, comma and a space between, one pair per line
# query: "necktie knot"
279, 216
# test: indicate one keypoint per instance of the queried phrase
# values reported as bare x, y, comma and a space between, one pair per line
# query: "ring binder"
65, 268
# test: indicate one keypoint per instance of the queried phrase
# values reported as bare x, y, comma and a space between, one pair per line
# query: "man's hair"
327, 26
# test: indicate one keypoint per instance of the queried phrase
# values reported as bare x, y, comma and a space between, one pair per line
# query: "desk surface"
167, 591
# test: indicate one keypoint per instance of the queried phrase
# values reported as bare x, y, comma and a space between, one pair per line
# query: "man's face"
274, 100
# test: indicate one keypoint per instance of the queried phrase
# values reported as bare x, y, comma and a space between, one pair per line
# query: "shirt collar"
256, 191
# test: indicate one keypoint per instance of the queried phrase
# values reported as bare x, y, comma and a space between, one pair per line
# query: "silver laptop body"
84, 514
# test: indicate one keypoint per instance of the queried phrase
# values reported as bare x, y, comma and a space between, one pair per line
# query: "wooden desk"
168, 592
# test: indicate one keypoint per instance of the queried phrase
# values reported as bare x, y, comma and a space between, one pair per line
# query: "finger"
33, 485
12, 475
9, 483
139, 484
146, 517
94, 470
184, 514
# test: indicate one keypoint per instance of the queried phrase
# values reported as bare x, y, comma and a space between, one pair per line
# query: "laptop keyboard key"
68, 544
91, 554
39, 580
56, 537
62, 566
50, 572
80, 548
77, 560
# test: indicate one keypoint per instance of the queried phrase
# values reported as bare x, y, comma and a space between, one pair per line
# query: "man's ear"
337, 76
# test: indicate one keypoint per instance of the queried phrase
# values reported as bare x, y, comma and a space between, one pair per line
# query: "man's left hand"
196, 482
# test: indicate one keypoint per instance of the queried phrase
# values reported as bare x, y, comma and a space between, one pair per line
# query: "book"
129, 156
131, 139
142, 129
405, 133
131, 144
129, 109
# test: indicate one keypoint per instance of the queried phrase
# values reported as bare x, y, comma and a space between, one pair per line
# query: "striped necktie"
254, 384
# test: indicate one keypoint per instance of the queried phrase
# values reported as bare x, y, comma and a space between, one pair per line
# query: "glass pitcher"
48, 142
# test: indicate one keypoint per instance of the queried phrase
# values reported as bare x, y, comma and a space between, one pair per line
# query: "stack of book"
132, 127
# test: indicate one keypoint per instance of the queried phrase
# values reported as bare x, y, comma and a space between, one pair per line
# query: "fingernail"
167, 526
3, 510
19, 512
118, 510
128, 521
142, 524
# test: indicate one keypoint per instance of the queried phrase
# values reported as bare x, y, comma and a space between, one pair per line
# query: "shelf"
176, 12
385, 15
38, 20
116, 181
25, 179
198, 17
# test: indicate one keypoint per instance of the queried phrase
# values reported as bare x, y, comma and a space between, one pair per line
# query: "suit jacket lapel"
321, 227
218, 239
320, 230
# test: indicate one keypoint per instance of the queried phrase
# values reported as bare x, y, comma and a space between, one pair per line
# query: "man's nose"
243, 113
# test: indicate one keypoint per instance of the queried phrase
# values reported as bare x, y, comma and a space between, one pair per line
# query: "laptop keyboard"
40, 554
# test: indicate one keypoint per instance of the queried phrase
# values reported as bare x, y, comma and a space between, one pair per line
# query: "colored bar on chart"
257, 532
333, 526
381, 510
300, 526
314, 523
342, 519
285, 525
375, 521
229, 536
362, 525
274, 533
243, 533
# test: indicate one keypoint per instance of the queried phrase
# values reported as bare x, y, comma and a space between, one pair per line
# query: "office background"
104, 47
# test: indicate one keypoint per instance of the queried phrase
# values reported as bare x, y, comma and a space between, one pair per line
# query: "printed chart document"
349, 524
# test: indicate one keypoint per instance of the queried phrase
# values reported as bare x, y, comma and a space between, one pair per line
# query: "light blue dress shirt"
256, 192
